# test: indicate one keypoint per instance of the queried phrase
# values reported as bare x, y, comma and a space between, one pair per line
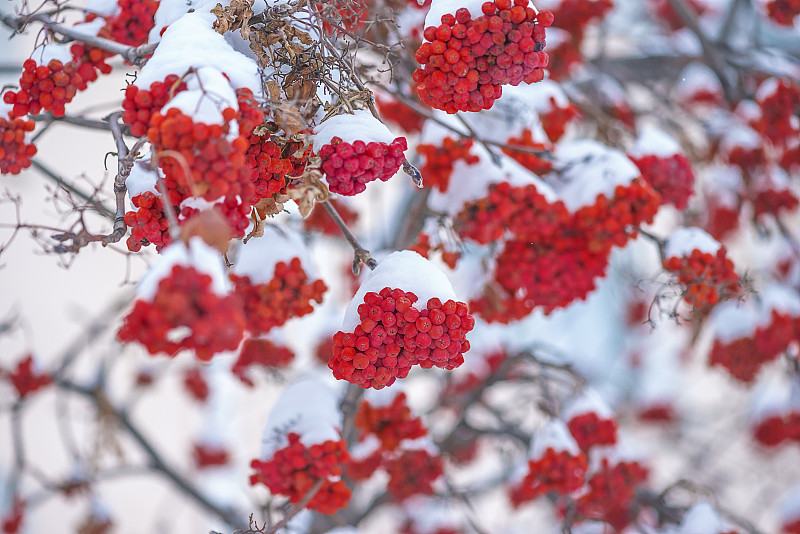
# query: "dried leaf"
211, 226
289, 119
270, 206
236, 16
310, 190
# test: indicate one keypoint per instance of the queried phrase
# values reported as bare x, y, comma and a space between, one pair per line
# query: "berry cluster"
391, 424
744, 357
721, 219
44, 88
556, 471
288, 294
209, 456
148, 224
413, 472
665, 13
90, 61
394, 335
194, 381
555, 119
439, 160
320, 221
395, 111
778, 428
610, 493
783, 11
530, 161
12, 520
262, 352
424, 248
778, 121
15, 152
295, 469
495, 305
139, 105
132, 25
590, 429
771, 201
706, 278
465, 61
672, 177
25, 379
349, 167
185, 299
573, 16
269, 168
793, 526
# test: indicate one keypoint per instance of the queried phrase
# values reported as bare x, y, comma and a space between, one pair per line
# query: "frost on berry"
355, 149
25, 377
302, 447
182, 303
701, 268
465, 61
15, 150
664, 167
261, 352
271, 281
556, 465
386, 329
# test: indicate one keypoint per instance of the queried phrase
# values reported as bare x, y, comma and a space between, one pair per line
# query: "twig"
49, 173
296, 508
361, 255
83, 122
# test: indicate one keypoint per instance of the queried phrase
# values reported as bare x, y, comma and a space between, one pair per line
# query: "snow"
198, 255
789, 510
553, 435
425, 443
767, 88
191, 43
360, 125
102, 7
471, 182
443, 7
207, 94
684, 240
408, 271
654, 142
307, 407
141, 179
587, 402
89, 29
591, 169
257, 258
364, 449
170, 11
697, 77
45, 53
430, 515
769, 398
739, 135
381, 398
343, 530
702, 519
733, 320
538, 95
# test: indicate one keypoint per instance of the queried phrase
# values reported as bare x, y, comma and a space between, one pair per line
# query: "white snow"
654, 142
141, 179
443, 7
589, 401
189, 43
381, 398
308, 407
767, 88
430, 515
170, 11
733, 320
102, 7
739, 135
405, 270
538, 95
553, 435
591, 169
366, 448
360, 125
684, 240
257, 258
702, 519
45, 53
198, 255
89, 29
697, 77
769, 398
207, 94
790, 505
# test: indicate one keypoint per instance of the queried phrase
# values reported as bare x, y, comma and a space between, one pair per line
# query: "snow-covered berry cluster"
439, 160
556, 465
705, 278
527, 159
139, 105
390, 424
295, 469
465, 61
393, 335
610, 492
349, 167
148, 224
25, 378
260, 352
289, 293
132, 24
15, 151
413, 472
783, 12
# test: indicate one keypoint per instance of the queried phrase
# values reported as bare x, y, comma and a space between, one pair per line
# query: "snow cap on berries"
654, 142
408, 271
589, 401
46, 53
702, 517
191, 43
350, 127
769, 399
141, 179
789, 508
197, 255
445, 7
430, 515
684, 240
257, 258
592, 169
307, 407
207, 94
553, 435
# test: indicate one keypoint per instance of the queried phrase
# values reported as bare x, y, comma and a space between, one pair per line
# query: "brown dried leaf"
211, 226
273, 205
236, 16
289, 119
309, 191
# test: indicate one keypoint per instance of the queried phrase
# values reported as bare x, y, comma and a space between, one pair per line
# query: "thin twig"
361, 254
